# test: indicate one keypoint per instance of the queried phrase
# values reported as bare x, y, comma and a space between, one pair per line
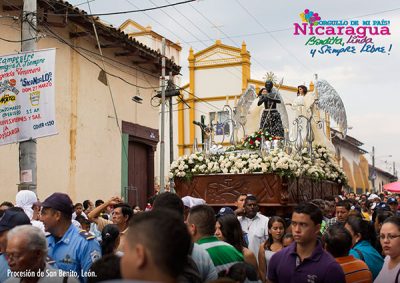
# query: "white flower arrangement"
321, 166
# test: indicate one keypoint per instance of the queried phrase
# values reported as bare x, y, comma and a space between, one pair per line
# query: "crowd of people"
347, 238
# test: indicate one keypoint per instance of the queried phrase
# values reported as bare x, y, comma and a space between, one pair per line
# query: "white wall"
218, 82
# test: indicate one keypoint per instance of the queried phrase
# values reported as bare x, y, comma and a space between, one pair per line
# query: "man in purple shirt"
305, 260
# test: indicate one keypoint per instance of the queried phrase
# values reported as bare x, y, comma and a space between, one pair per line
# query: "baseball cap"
12, 218
59, 201
382, 206
225, 211
391, 200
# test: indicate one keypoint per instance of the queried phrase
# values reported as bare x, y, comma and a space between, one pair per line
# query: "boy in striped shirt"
201, 225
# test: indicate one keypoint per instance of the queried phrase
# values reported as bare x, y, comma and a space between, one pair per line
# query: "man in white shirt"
254, 224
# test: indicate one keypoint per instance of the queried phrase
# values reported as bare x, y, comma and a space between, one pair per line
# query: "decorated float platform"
278, 179
283, 163
276, 195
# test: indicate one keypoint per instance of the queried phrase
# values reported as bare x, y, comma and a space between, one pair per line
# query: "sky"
368, 83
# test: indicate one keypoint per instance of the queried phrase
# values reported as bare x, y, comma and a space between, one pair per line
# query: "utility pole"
162, 143
373, 175
171, 123
171, 131
27, 149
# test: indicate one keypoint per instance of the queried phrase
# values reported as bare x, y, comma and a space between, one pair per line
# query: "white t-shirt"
387, 275
256, 229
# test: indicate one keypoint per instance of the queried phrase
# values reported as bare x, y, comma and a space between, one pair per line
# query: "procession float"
281, 161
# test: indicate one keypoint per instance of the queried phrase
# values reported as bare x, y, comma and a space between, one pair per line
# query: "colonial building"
380, 177
106, 142
351, 157
152, 39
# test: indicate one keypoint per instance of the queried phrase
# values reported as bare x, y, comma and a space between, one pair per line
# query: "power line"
172, 32
244, 35
200, 99
160, 24
86, 2
17, 41
213, 106
376, 13
189, 32
136, 68
189, 20
226, 35
272, 36
96, 56
122, 64
289, 29
108, 84
120, 12
179, 24
59, 38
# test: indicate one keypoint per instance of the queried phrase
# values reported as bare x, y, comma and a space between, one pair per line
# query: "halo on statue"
270, 76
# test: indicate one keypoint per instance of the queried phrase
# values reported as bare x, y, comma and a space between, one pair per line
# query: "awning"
392, 187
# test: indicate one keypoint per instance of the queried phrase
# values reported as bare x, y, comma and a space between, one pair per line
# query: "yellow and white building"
218, 75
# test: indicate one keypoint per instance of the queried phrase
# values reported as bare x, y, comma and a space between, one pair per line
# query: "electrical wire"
189, 32
273, 37
59, 38
12, 5
109, 85
156, 21
17, 41
143, 70
190, 21
121, 12
172, 32
245, 35
287, 29
102, 57
194, 96
79, 4
226, 35
175, 21
136, 68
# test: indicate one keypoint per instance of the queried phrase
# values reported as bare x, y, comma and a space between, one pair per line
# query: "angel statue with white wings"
312, 119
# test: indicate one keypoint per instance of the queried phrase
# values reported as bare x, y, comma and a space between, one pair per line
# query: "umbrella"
392, 187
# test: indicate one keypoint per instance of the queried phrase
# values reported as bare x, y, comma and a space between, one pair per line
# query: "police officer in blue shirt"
72, 250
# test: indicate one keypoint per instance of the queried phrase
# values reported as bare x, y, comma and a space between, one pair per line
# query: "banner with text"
27, 107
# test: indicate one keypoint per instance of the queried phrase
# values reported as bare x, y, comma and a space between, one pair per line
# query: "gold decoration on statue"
270, 76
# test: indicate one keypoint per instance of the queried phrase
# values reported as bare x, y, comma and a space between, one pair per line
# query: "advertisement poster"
27, 108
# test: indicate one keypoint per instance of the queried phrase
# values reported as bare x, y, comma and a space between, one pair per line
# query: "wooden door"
138, 173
